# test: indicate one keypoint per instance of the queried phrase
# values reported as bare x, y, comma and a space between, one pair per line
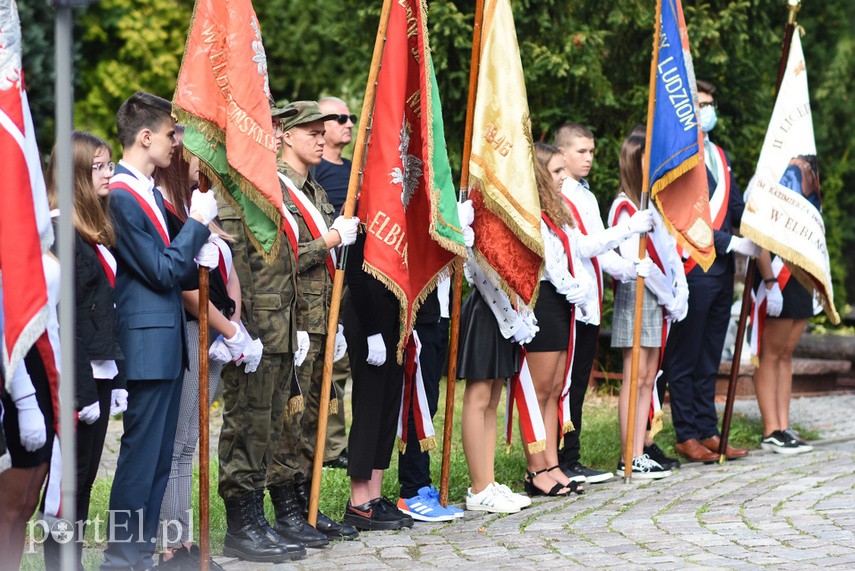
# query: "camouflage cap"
302, 112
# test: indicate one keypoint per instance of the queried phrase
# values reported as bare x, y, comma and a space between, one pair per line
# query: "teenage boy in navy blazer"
153, 268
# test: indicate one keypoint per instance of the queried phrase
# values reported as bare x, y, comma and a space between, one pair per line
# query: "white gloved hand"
743, 246
376, 350
525, 333
468, 236
208, 256
346, 228
302, 347
204, 204
774, 300
643, 267
641, 221
251, 355
236, 343
340, 344
678, 307
31, 423
218, 351
90, 413
118, 401
580, 289
466, 213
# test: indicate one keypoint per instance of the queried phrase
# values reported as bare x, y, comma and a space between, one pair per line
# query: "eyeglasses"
342, 119
101, 167
703, 104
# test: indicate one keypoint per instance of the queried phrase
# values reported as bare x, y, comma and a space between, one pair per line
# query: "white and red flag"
25, 230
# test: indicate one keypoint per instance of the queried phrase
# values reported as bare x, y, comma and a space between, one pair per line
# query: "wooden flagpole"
204, 455
751, 269
629, 446
454, 335
338, 281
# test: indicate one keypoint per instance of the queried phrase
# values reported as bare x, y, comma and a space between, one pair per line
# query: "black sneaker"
588, 475
376, 515
657, 455
643, 468
779, 443
794, 436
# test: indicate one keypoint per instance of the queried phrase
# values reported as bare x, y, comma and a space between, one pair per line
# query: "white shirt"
509, 319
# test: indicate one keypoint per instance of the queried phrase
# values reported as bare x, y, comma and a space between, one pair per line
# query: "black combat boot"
325, 525
247, 540
289, 523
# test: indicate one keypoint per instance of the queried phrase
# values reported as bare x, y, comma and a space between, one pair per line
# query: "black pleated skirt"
552, 311
483, 353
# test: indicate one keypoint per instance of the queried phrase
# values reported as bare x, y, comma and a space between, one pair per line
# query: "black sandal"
575, 487
532, 490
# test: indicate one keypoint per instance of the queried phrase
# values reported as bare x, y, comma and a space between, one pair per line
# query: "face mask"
708, 118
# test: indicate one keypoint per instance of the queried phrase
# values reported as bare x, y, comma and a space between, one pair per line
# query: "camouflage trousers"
336, 431
292, 460
253, 411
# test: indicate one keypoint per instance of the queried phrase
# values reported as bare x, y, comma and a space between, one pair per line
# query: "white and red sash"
720, 198
414, 391
311, 216
129, 182
108, 262
522, 394
594, 261
757, 321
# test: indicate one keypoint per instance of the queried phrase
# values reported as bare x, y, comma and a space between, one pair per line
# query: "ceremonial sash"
52, 500
757, 321
594, 261
720, 198
311, 216
414, 391
108, 262
522, 394
126, 182
629, 207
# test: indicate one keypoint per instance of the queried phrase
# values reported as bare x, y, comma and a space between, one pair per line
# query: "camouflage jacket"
268, 291
314, 285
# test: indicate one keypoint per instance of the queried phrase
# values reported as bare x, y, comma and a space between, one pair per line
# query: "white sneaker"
490, 500
521, 500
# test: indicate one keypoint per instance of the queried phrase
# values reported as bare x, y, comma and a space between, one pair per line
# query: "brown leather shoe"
695, 451
713, 442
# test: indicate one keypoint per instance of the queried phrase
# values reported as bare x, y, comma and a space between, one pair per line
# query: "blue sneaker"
425, 506
434, 493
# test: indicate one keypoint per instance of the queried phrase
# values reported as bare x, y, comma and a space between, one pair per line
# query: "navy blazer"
149, 281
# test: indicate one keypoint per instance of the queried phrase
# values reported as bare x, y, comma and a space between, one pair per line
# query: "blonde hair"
550, 200
91, 213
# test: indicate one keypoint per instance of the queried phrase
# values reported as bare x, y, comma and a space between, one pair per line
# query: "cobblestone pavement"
765, 510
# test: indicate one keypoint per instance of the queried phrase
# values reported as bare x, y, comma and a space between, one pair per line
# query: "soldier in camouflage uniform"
254, 403
288, 475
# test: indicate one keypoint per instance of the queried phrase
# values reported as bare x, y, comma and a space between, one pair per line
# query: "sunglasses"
342, 119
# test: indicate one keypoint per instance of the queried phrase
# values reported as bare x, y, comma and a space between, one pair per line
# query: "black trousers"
376, 396
413, 464
693, 354
89, 443
584, 349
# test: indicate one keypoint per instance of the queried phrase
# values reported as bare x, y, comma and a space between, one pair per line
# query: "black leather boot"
289, 523
246, 539
325, 525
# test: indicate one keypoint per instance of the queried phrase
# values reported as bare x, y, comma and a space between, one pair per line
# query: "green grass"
600, 449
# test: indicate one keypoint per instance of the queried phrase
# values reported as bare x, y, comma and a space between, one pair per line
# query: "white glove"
579, 290
340, 344
302, 347
31, 423
641, 221
204, 204
208, 256
643, 267
90, 413
376, 350
774, 301
236, 343
468, 236
219, 352
346, 228
525, 333
678, 307
118, 401
251, 355
743, 246
466, 213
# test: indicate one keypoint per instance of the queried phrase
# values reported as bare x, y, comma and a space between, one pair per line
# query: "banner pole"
751, 269
338, 280
204, 412
642, 253
454, 335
